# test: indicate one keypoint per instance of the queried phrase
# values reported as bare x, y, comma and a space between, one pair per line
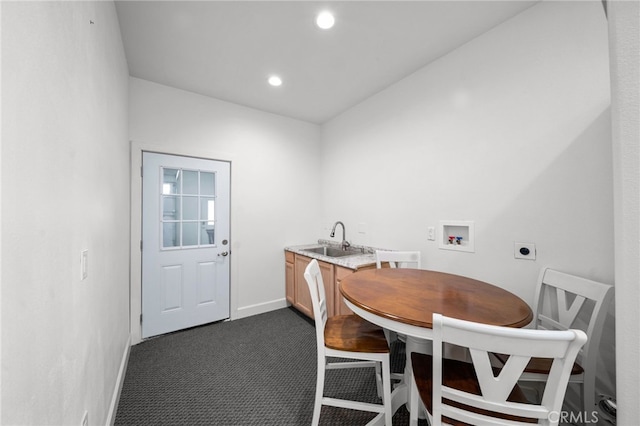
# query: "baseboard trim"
115, 398
260, 308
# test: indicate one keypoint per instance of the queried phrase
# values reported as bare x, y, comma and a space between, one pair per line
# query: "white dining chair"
477, 393
565, 301
398, 259
350, 337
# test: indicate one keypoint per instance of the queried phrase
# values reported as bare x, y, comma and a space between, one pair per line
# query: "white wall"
528, 99
274, 181
512, 131
65, 178
624, 27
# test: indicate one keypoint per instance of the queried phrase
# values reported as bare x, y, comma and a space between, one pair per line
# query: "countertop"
368, 257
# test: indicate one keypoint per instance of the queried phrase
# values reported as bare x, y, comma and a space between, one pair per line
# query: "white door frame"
135, 277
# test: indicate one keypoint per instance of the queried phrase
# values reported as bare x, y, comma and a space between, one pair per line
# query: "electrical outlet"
431, 233
524, 251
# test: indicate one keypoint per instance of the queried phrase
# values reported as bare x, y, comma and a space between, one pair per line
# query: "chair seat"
459, 375
541, 365
354, 334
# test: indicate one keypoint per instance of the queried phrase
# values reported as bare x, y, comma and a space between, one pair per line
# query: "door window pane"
170, 181
189, 208
190, 182
207, 210
170, 208
189, 234
170, 234
207, 183
207, 234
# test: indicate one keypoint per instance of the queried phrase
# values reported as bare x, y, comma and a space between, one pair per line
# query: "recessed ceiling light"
274, 80
325, 20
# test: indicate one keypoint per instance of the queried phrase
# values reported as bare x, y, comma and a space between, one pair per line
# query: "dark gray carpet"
254, 371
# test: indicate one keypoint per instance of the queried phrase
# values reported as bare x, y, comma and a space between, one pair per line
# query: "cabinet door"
289, 277
327, 270
303, 297
341, 307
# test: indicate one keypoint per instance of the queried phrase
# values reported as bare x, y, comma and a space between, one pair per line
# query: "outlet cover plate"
524, 251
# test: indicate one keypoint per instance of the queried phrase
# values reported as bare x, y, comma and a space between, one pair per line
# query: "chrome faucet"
344, 244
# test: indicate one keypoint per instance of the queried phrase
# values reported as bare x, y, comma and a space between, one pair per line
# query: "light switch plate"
84, 264
431, 233
362, 228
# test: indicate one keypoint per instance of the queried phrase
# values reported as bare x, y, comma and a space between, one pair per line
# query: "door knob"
224, 253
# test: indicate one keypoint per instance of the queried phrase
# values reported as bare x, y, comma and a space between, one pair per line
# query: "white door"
185, 242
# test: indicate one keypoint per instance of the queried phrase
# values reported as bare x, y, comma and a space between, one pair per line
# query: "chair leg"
317, 406
386, 397
413, 403
379, 380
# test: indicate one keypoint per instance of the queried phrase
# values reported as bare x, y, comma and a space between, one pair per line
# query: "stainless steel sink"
333, 251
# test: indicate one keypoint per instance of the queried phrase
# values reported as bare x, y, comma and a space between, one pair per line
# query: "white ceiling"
227, 49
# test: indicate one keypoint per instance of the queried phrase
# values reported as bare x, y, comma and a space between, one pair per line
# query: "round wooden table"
404, 300
411, 296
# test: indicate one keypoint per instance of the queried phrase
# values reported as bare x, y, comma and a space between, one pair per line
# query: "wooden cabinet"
297, 291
